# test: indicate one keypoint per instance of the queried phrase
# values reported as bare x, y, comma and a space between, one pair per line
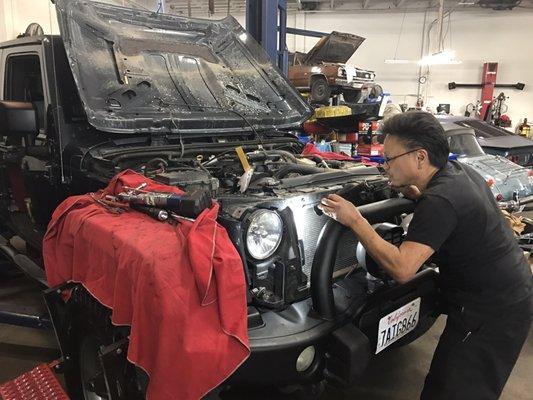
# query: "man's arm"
402, 262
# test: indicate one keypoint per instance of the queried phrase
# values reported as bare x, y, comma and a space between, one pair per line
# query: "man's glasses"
387, 160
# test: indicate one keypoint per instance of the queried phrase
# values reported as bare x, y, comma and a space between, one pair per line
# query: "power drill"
189, 205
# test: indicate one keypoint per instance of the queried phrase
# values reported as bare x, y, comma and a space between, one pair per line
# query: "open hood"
139, 71
336, 47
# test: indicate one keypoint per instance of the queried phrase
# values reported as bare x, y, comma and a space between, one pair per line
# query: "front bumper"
341, 319
343, 345
345, 84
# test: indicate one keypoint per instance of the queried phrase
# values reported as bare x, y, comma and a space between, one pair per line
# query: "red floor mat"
38, 384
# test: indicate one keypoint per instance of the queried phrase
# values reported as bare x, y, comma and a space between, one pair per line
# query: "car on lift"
509, 182
499, 141
323, 71
172, 97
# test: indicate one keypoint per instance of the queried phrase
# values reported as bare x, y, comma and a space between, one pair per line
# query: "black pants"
477, 352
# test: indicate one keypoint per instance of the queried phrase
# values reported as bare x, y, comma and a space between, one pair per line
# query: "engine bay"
275, 168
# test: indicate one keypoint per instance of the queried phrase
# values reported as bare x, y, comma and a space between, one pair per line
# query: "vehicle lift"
266, 21
487, 85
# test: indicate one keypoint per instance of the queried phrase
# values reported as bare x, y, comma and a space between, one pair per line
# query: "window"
24, 83
464, 145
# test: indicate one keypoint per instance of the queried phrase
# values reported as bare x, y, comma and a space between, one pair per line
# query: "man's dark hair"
420, 130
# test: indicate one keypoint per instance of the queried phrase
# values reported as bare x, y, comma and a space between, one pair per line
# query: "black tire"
351, 96
320, 90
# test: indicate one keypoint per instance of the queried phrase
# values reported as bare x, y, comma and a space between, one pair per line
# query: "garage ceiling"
206, 7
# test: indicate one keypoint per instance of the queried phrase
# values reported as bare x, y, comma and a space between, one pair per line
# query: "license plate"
397, 324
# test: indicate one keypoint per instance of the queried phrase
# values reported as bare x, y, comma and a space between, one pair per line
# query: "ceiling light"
396, 61
444, 57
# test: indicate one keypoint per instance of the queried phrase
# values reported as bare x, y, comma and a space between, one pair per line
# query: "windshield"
465, 145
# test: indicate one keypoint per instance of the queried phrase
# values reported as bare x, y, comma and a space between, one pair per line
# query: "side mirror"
17, 119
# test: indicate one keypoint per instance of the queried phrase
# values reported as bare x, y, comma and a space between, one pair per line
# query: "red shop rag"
311, 149
181, 288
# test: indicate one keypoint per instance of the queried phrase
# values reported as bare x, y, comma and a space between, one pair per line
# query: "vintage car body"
172, 97
323, 70
498, 141
508, 181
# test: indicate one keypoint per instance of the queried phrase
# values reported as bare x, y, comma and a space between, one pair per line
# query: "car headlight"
264, 234
341, 72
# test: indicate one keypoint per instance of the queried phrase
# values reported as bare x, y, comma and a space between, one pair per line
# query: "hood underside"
336, 47
140, 71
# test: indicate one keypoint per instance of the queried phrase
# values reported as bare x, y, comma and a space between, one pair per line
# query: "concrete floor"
397, 375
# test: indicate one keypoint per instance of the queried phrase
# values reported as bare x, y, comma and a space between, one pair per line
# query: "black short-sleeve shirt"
480, 262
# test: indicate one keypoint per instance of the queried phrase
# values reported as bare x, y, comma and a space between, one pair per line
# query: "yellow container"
332, 111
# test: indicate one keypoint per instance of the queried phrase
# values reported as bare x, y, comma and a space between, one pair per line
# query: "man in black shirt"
486, 281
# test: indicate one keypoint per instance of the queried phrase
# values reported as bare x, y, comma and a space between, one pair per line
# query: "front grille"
309, 229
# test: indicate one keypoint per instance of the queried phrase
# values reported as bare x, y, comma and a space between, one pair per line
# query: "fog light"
305, 359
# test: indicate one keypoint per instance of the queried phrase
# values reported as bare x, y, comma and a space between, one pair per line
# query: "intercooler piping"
326, 250
300, 169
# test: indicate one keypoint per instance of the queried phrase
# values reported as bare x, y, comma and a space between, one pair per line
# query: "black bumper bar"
326, 249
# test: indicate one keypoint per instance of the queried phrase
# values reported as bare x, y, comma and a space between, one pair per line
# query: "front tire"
320, 90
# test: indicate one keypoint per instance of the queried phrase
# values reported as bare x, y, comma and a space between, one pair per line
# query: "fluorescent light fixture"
395, 61
444, 57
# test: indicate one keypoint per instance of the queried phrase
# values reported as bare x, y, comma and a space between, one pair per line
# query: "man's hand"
341, 210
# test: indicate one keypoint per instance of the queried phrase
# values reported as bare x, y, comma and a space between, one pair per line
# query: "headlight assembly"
264, 234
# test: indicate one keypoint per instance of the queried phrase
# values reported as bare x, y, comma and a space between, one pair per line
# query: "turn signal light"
490, 182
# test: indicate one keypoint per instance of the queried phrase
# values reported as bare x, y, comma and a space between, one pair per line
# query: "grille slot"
309, 229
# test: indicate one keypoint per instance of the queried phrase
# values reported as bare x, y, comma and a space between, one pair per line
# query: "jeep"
171, 98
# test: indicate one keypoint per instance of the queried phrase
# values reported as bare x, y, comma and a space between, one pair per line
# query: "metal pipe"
301, 169
305, 32
439, 26
25, 320
418, 90
326, 250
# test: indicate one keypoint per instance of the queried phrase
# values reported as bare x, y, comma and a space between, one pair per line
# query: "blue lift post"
160, 6
263, 17
266, 21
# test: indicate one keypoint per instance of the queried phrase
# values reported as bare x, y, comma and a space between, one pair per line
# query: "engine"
268, 207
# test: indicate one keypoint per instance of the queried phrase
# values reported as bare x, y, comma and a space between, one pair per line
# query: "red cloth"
182, 289
310, 149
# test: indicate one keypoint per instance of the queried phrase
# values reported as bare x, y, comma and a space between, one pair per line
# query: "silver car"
508, 181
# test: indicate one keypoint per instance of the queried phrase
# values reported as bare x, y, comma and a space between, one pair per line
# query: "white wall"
16, 15
477, 36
